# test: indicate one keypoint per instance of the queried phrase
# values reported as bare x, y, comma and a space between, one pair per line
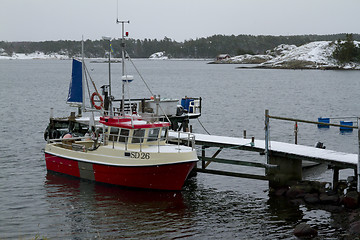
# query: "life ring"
67, 135
93, 101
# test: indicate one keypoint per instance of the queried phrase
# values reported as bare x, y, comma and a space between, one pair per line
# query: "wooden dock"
309, 153
282, 161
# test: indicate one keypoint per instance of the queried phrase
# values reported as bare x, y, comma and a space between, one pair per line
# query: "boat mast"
110, 102
122, 62
83, 75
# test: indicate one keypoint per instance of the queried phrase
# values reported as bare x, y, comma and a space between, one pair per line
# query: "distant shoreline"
100, 60
258, 66
299, 68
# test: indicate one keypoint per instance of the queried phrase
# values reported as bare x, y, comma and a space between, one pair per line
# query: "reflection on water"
95, 208
282, 210
89, 209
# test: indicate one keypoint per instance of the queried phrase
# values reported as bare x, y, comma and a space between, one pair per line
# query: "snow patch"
250, 59
35, 55
282, 49
159, 55
314, 53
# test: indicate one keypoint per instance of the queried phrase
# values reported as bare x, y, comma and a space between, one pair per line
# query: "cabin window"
153, 134
114, 132
60, 125
163, 134
138, 136
124, 135
78, 127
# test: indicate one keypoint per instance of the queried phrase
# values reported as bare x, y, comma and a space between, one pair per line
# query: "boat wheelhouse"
135, 131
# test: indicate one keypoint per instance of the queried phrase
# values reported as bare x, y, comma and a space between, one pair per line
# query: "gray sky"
40, 20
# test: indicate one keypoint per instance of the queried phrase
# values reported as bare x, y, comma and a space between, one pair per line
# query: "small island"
333, 55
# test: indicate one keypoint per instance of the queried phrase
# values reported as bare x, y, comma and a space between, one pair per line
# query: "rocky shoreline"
344, 203
296, 68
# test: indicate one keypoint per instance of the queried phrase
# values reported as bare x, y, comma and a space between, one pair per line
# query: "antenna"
123, 60
117, 10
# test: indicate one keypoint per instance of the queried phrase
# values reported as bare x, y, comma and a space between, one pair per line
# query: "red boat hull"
162, 177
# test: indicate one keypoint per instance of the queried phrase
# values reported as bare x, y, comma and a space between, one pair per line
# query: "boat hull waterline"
162, 177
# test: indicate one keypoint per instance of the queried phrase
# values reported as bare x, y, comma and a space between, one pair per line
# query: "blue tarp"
75, 88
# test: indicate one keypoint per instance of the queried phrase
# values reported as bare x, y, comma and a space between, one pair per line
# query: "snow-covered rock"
250, 59
159, 55
280, 50
311, 55
35, 55
3, 53
314, 55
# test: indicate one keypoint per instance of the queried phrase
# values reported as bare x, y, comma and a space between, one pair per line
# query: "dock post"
335, 178
296, 132
358, 165
203, 157
287, 172
267, 136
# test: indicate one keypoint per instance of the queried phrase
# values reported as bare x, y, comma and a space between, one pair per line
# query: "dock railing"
267, 135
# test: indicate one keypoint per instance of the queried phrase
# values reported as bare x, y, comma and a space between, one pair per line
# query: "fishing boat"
78, 124
128, 148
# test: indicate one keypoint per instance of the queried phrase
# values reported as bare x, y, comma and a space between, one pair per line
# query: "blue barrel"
185, 102
347, 123
323, 120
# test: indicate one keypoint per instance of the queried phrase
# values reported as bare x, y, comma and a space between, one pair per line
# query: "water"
36, 203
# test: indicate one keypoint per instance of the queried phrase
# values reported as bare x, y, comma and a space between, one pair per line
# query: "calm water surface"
37, 203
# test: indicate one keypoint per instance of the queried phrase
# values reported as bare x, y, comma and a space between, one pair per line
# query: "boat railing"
66, 139
149, 117
79, 143
144, 142
70, 143
183, 138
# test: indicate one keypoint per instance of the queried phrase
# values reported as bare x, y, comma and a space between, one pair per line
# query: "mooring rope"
203, 127
91, 79
147, 86
87, 73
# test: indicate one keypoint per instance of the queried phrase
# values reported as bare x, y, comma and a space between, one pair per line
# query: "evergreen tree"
204, 47
346, 51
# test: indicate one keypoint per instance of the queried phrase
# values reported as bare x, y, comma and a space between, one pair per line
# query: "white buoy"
127, 78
